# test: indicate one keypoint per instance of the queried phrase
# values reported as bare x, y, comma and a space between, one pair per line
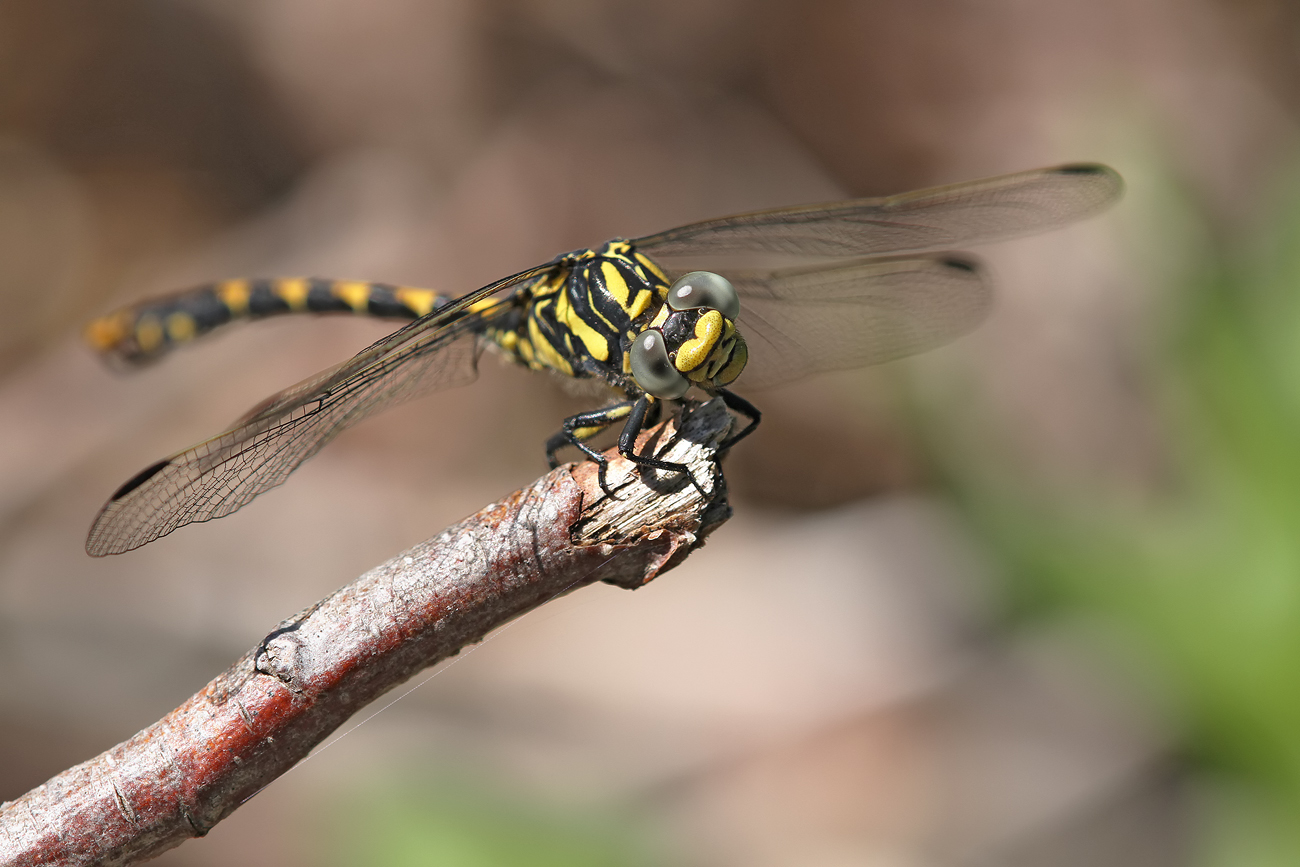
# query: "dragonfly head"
692, 340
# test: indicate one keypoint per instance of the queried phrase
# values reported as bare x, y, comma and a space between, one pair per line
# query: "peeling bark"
184, 774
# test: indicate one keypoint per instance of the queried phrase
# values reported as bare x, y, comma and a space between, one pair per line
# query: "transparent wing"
801, 321
216, 477
927, 220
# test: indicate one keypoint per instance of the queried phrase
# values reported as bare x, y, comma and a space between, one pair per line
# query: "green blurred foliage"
1200, 573
447, 820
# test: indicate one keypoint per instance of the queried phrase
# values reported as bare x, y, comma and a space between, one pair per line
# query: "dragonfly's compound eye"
652, 369
705, 289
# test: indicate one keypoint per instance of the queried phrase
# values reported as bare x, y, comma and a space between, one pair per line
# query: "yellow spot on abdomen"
420, 301
234, 294
353, 293
106, 332
148, 333
181, 327
292, 291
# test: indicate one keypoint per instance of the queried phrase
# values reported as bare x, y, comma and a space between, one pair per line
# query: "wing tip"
99, 541
139, 479
959, 262
1099, 171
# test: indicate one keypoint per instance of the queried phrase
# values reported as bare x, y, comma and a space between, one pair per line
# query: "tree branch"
182, 775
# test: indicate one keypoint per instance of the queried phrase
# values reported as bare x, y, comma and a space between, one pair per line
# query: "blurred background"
1032, 599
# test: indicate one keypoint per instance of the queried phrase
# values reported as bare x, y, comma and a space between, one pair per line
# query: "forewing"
216, 477
924, 221
799, 322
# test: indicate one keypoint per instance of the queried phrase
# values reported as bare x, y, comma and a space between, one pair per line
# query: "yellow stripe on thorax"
648, 264
545, 354
615, 283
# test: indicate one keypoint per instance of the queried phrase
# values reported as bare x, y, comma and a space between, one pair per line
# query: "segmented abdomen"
144, 331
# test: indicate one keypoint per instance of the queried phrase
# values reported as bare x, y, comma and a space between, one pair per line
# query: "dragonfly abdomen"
142, 332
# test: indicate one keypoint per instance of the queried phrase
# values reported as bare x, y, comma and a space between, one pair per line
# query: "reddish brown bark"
182, 775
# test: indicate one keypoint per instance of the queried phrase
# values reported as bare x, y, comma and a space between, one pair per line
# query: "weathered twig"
182, 775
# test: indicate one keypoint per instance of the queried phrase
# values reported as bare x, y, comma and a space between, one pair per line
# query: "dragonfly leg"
579, 428
636, 422
738, 404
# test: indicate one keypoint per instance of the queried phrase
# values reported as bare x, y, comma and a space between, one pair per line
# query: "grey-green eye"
705, 289
652, 369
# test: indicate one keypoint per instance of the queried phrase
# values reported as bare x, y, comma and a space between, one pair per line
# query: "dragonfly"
756, 299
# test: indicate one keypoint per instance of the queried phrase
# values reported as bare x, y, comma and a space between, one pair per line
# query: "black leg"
579, 428
637, 416
738, 404
627, 444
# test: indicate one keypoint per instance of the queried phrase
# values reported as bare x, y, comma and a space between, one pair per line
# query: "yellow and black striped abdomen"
148, 329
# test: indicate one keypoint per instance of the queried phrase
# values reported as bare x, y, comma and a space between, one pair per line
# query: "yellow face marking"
660, 318
107, 332
181, 327
739, 355
353, 293
719, 359
292, 291
148, 333
234, 294
420, 301
694, 352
